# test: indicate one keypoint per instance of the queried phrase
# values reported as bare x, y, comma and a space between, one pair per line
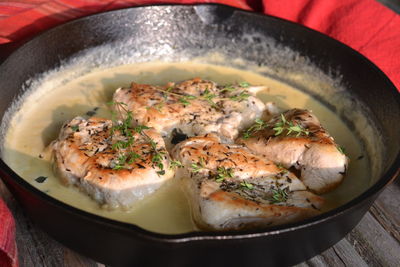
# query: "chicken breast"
296, 139
193, 107
115, 168
230, 188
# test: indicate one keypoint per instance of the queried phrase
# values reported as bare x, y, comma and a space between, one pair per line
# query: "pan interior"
45, 110
251, 56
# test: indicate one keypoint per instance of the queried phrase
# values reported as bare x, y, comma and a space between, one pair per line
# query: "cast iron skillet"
182, 29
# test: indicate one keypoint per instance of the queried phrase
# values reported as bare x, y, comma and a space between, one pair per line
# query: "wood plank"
342, 254
376, 246
386, 209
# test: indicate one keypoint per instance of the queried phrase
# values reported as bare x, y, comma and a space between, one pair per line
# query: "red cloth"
8, 251
365, 25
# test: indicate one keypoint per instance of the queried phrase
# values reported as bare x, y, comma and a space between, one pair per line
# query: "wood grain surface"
374, 242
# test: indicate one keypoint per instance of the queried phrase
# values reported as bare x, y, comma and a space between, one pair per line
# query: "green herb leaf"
290, 127
208, 96
140, 128
247, 185
197, 166
242, 96
223, 173
341, 149
184, 101
244, 84
228, 88
175, 164
258, 125
75, 128
279, 195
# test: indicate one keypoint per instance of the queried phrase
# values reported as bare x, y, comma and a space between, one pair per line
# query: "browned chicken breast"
114, 168
229, 188
193, 107
296, 138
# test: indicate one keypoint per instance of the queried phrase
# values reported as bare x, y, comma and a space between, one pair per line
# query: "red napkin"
8, 251
365, 25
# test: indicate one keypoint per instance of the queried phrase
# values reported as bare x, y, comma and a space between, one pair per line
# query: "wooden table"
374, 242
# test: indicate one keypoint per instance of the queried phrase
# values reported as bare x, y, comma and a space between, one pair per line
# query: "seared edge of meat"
308, 147
228, 187
84, 155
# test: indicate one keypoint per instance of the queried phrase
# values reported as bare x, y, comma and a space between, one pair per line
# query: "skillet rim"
385, 179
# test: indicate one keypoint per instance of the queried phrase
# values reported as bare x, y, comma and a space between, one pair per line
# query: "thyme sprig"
124, 159
223, 173
289, 126
185, 99
228, 88
258, 125
175, 164
123, 124
279, 127
244, 84
246, 185
207, 95
75, 128
240, 97
158, 155
341, 150
197, 166
279, 195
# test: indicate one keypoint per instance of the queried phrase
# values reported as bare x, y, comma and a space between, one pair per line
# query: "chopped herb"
258, 125
123, 159
41, 179
120, 164
228, 88
242, 96
208, 96
279, 195
223, 173
133, 157
185, 99
196, 167
283, 169
75, 128
246, 185
125, 128
341, 149
123, 144
140, 128
175, 164
283, 125
244, 84
157, 161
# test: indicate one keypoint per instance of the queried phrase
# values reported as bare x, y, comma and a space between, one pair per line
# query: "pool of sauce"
41, 115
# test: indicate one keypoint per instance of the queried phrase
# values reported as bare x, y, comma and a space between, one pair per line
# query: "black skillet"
179, 33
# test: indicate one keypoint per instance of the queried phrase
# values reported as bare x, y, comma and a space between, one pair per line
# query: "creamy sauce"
38, 122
